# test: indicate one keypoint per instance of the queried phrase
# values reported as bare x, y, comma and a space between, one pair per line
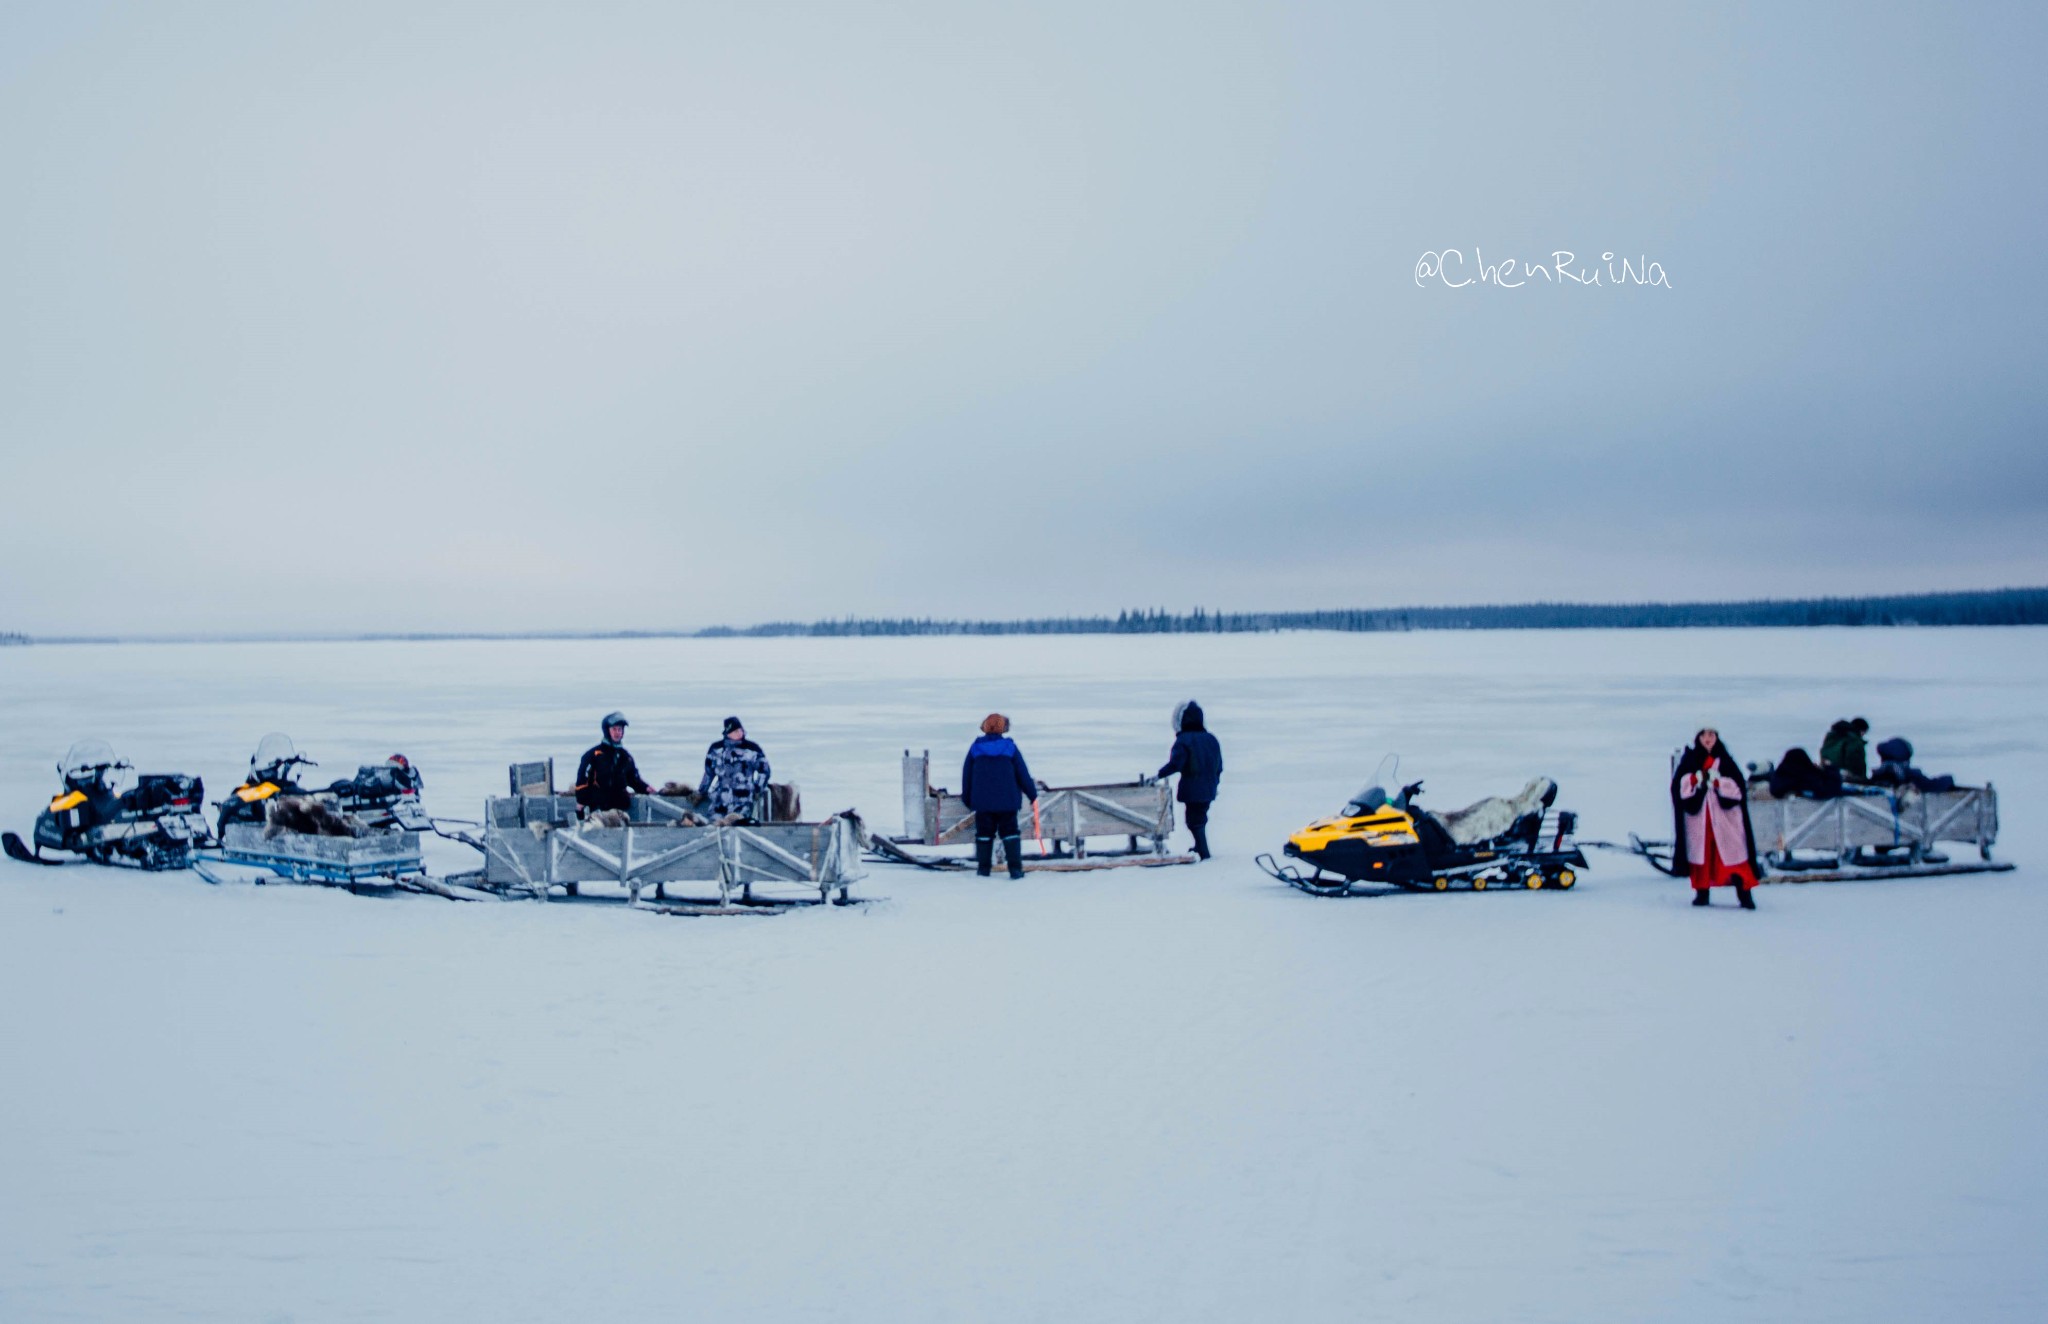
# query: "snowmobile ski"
17, 849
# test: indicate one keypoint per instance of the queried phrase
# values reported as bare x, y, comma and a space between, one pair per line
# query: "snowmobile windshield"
1374, 797
88, 758
272, 750
1368, 801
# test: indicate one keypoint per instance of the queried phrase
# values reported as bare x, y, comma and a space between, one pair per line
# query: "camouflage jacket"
734, 772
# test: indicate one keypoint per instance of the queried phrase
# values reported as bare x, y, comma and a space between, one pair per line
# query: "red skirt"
1711, 872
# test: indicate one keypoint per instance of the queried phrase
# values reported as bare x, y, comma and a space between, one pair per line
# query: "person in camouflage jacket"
735, 771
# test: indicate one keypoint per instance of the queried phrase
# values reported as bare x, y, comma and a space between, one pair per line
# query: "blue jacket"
995, 780
1198, 758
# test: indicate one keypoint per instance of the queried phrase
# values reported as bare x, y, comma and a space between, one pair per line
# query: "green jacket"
1843, 749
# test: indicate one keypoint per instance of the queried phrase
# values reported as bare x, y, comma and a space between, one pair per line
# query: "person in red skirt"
1713, 844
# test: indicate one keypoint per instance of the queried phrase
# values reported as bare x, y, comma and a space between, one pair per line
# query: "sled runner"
891, 852
1390, 843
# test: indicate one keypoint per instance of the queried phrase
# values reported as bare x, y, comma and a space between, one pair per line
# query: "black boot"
1742, 894
1014, 848
1699, 896
984, 855
1201, 842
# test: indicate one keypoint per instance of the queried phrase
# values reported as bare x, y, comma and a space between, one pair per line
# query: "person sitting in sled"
995, 781
1898, 770
735, 773
607, 776
1843, 749
1198, 758
1797, 774
1711, 837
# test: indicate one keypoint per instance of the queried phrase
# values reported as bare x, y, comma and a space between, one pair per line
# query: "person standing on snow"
995, 782
607, 776
1711, 837
1198, 758
735, 772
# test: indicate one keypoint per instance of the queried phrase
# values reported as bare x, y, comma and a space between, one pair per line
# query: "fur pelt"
311, 816
679, 791
785, 803
1494, 815
607, 818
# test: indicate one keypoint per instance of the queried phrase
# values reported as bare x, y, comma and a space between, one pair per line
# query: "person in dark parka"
1796, 774
995, 781
607, 776
1198, 758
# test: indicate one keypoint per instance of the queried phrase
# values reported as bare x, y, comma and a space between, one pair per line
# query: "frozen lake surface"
1137, 1095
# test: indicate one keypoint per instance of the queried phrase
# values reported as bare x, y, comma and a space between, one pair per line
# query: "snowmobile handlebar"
82, 768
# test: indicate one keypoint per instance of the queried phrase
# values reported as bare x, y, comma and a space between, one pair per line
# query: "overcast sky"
499, 316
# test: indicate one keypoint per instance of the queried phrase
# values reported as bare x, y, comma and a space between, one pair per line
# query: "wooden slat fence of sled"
534, 843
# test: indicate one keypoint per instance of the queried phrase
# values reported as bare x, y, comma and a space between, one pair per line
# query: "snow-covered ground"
1140, 1095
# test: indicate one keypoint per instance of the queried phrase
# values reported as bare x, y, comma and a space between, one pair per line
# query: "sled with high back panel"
1068, 824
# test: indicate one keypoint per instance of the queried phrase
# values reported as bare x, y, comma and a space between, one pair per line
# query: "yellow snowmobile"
1502, 841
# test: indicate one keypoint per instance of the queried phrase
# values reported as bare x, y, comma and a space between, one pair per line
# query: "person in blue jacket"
1198, 758
995, 782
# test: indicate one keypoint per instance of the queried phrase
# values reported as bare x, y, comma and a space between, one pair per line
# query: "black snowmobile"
383, 795
1507, 841
156, 825
273, 771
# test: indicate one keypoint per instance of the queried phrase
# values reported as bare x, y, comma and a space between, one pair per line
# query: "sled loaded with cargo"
1868, 832
538, 843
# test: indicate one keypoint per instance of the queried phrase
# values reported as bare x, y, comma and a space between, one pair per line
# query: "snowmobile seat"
156, 791
1497, 816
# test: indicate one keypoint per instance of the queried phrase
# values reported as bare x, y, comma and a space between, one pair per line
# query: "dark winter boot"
984, 855
1699, 896
1014, 848
1201, 842
1742, 894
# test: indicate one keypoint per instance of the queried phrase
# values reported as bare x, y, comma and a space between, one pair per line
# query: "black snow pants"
1198, 823
987, 827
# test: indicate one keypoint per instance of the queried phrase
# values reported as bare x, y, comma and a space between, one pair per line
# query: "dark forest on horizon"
2012, 606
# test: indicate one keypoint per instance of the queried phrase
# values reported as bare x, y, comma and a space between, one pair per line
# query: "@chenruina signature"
1448, 267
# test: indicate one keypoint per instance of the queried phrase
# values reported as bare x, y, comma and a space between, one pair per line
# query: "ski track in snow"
1141, 1095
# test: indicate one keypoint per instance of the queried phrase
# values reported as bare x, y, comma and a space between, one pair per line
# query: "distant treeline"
6, 638
2006, 606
